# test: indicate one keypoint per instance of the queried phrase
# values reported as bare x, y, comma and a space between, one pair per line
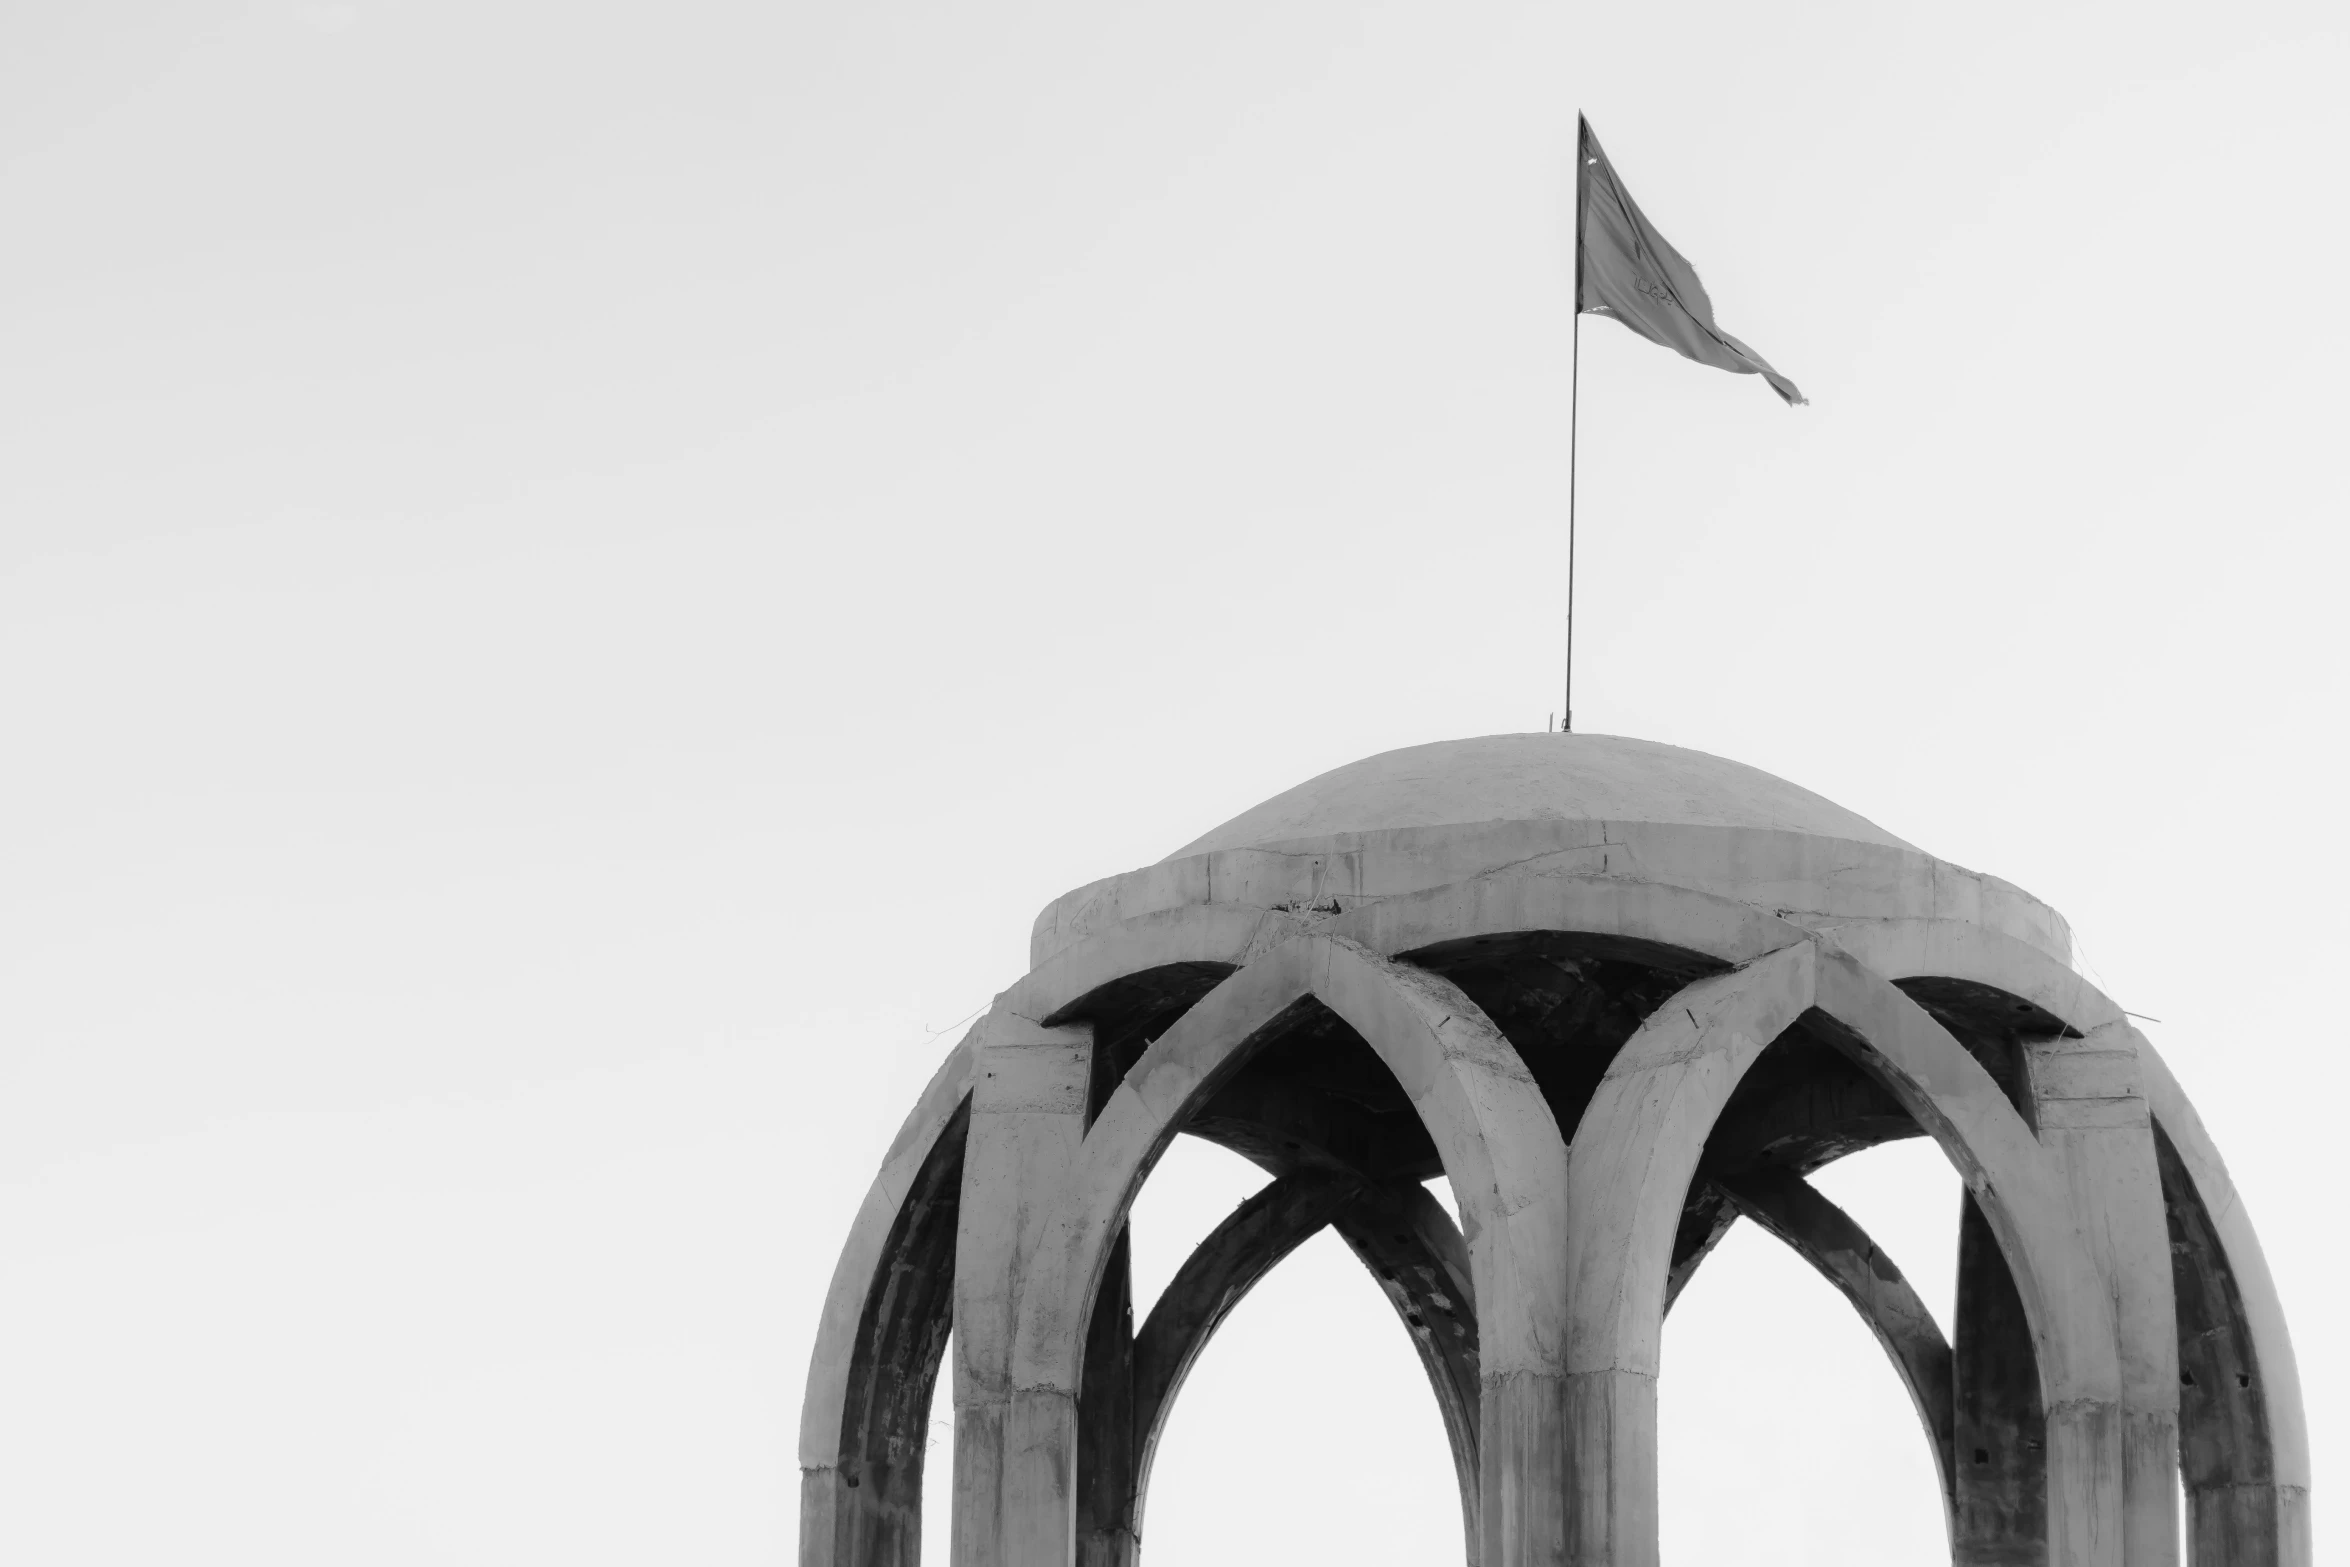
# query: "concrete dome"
1524, 806
1536, 778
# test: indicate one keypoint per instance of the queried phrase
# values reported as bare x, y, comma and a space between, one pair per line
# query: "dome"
1529, 806
1536, 778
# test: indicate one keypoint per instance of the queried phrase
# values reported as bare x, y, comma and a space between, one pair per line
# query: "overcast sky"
571, 578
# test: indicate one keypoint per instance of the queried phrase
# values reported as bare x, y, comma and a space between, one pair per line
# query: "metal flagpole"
1574, 411
1574, 420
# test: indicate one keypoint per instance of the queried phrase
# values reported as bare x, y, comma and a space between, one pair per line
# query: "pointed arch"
2243, 1440
2051, 1164
889, 1303
1788, 1207
863, 1419
1500, 1149
1636, 1151
1403, 1237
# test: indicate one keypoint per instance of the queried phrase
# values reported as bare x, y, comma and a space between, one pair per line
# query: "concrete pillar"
1028, 1103
2087, 1096
1612, 1503
1629, 1170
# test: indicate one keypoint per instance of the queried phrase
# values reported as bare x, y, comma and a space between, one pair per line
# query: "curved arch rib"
1411, 1245
1633, 1159
2045, 1210
1500, 1148
2266, 1492
864, 1418
2243, 1445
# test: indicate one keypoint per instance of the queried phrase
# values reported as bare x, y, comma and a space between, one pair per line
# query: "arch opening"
1313, 1104
938, 1440
1802, 1109
1305, 1432
1784, 1437
1812, 1105
1803, 1105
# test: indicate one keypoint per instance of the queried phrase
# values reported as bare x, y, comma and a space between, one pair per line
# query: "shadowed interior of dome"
1303, 1095
1536, 777
1307, 1099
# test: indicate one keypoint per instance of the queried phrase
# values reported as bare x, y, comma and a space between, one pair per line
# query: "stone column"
1028, 1103
2091, 1106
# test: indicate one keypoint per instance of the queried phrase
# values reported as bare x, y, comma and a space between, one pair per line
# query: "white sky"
571, 578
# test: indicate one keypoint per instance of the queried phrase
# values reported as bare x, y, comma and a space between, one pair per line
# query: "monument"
1620, 996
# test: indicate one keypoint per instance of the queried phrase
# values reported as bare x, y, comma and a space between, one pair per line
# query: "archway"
1784, 1435
1305, 1430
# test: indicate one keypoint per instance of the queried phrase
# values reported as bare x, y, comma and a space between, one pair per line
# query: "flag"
1625, 271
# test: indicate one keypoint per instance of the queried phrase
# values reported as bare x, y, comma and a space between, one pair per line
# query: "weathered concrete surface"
1430, 816
1496, 1138
1027, 1122
2021, 1188
1635, 1153
1431, 963
867, 1408
2090, 1107
2244, 1438
1536, 778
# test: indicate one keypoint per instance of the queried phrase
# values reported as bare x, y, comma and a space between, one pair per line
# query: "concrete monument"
1620, 996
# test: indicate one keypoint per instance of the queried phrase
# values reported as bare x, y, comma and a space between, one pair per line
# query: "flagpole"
1574, 418
1574, 422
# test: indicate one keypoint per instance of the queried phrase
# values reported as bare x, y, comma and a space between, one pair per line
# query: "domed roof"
1536, 777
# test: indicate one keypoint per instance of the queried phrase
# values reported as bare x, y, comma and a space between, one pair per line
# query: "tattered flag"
1624, 270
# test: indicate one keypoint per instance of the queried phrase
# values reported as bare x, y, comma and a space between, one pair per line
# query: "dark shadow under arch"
893, 1369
